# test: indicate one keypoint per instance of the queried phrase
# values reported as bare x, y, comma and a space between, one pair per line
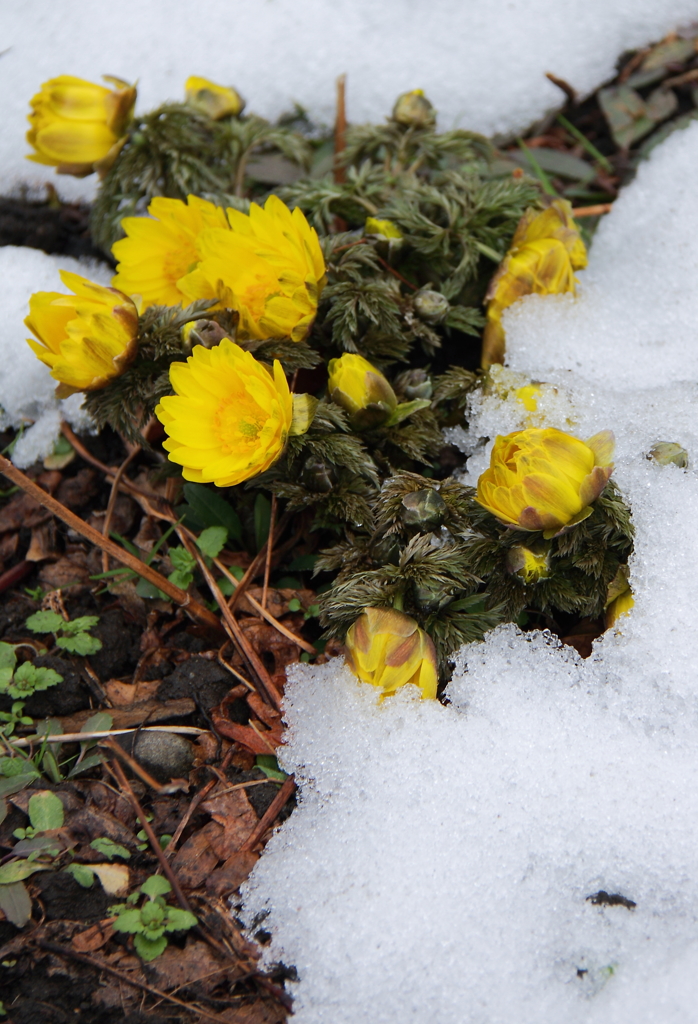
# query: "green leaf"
99, 722
294, 605
211, 509
45, 811
268, 764
109, 849
8, 658
82, 873
179, 920
18, 782
181, 578
6, 673
17, 870
212, 540
15, 903
405, 409
13, 766
45, 622
80, 643
262, 519
129, 921
156, 885
149, 949
144, 588
91, 761
80, 625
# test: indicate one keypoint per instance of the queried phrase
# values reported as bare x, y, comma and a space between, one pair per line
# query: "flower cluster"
544, 254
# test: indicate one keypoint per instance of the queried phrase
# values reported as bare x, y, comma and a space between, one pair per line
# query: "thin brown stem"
176, 594
111, 505
271, 814
270, 548
340, 131
592, 211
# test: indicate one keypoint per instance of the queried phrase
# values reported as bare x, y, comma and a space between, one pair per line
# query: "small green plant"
45, 816
71, 636
22, 682
149, 921
11, 719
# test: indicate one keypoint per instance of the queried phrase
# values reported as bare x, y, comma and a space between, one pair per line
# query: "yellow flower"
386, 648
528, 396
544, 479
383, 228
527, 564
161, 249
215, 101
361, 390
621, 605
86, 338
230, 416
77, 126
268, 266
544, 253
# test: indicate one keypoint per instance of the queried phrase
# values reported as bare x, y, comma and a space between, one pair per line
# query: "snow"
26, 385
482, 64
439, 865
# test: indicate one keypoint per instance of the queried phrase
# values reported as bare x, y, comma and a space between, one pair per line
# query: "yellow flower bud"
545, 251
361, 390
620, 606
382, 228
544, 479
531, 567
667, 453
86, 338
414, 110
229, 417
77, 126
215, 101
387, 648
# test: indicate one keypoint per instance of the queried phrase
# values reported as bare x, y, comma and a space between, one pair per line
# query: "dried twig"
271, 814
109, 514
67, 953
176, 594
99, 734
592, 211
340, 131
270, 548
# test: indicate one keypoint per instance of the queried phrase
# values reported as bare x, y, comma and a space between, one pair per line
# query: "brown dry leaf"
126, 694
232, 874
43, 542
270, 716
93, 938
146, 712
266, 639
89, 823
257, 742
195, 860
21, 510
277, 600
8, 546
263, 1011
176, 967
66, 572
114, 877
122, 519
76, 491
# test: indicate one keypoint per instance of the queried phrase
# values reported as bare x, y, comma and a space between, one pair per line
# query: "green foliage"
206, 507
149, 922
71, 635
22, 682
109, 849
175, 151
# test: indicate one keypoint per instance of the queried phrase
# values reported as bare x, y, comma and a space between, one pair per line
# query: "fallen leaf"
177, 967
43, 542
65, 573
230, 876
21, 510
195, 860
93, 938
114, 877
76, 491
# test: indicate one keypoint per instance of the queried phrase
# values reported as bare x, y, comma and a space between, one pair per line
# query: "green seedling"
149, 922
71, 636
22, 682
9, 720
45, 815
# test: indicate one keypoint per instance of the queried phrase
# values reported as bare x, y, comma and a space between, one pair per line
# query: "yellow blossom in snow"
85, 338
161, 249
545, 252
387, 648
77, 126
268, 266
214, 100
544, 479
230, 416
